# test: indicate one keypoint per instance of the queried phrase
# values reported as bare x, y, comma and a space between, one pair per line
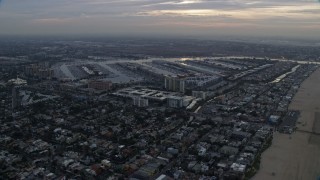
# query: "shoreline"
296, 155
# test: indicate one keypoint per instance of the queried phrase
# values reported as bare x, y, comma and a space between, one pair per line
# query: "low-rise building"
140, 102
175, 102
100, 85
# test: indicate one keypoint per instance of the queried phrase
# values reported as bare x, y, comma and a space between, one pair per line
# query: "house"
228, 150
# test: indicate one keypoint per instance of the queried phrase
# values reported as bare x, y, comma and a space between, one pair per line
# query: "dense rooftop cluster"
207, 118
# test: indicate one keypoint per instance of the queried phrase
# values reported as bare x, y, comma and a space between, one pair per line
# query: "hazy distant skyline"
294, 18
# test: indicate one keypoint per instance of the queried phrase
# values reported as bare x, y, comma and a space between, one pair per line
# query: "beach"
297, 156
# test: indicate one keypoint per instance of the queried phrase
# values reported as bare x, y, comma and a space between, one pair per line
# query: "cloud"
131, 16
303, 12
53, 21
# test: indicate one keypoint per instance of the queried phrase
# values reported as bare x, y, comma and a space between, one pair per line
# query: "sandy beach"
297, 156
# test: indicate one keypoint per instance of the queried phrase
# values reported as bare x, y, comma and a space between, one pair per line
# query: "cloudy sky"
287, 18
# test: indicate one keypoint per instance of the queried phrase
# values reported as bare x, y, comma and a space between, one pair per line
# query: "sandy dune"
297, 156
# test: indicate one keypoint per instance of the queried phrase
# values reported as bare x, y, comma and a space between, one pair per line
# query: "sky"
194, 18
